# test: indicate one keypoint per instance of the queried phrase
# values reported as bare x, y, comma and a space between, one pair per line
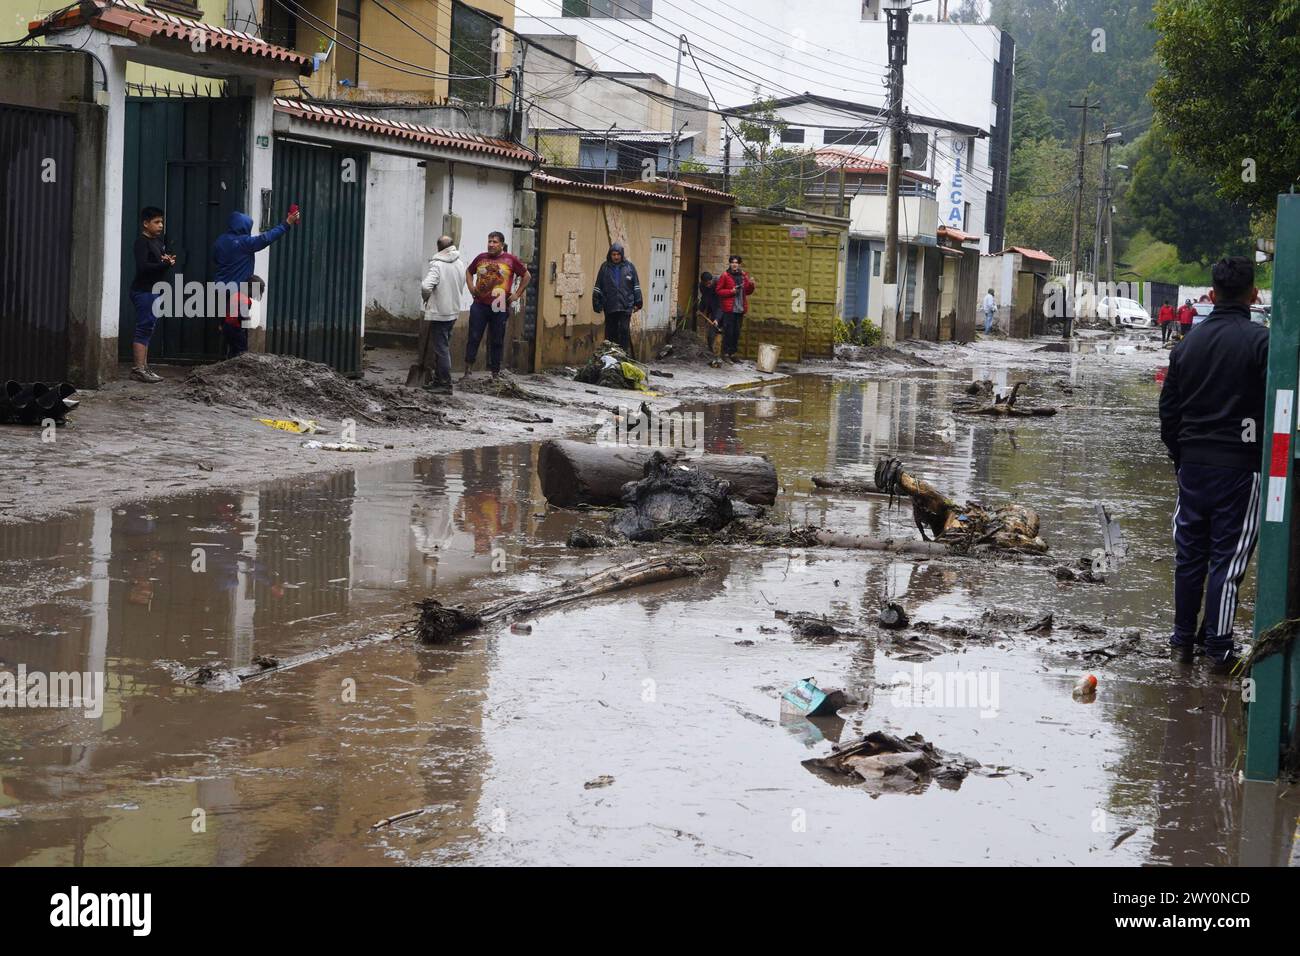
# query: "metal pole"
1101, 199
897, 19
677, 92
1078, 216
1275, 680
726, 164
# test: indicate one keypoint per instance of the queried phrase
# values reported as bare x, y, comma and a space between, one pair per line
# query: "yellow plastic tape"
297, 426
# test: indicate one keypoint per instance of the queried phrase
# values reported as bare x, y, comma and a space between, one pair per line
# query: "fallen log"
574, 472
848, 486
438, 623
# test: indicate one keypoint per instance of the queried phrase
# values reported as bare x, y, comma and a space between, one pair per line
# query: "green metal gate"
314, 306
186, 156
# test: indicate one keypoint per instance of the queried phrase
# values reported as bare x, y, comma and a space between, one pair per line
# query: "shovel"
420, 375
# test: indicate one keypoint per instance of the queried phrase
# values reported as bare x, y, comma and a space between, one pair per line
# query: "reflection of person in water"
720, 431
1196, 797
484, 509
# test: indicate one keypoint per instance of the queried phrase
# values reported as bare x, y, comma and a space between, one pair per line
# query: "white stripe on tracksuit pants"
1216, 526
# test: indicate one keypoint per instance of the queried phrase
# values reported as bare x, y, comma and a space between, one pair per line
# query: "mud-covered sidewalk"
198, 428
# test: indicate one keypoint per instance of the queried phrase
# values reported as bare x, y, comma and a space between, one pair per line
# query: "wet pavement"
672, 690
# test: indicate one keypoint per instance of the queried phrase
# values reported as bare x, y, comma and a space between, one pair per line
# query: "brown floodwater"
672, 690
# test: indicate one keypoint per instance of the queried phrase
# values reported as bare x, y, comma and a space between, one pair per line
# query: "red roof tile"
141, 23
546, 179
469, 142
1030, 253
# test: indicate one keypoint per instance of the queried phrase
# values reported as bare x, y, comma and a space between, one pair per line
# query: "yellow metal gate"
796, 277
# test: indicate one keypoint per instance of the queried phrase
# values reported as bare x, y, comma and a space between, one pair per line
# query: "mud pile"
672, 499
686, 345
879, 353
504, 385
308, 390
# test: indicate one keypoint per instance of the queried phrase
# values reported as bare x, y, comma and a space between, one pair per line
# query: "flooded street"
672, 690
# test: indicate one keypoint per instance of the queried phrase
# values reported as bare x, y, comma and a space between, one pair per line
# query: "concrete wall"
585, 219
395, 243
66, 82
917, 216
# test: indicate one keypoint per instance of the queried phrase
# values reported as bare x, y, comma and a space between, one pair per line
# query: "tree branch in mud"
438, 623
1012, 527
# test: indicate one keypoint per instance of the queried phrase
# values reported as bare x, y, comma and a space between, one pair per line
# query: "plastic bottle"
1086, 686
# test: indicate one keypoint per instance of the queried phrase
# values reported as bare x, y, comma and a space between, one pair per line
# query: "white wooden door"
658, 311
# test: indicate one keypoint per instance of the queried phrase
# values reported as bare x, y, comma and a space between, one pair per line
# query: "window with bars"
793, 134
347, 62
609, 9
850, 137
473, 59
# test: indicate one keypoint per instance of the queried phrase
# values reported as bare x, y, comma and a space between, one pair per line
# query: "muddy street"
643, 727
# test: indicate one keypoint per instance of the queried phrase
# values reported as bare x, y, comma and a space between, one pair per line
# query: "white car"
1126, 312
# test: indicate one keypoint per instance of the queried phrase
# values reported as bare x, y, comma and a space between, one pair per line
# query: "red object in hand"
1161, 373
293, 209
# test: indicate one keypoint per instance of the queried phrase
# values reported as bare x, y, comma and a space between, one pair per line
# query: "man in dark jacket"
617, 293
1211, 419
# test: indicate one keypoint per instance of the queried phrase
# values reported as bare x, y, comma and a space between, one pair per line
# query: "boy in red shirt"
1166, 319
237, 322
1186, 315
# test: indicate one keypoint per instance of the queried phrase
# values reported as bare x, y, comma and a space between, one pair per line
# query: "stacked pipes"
32, 402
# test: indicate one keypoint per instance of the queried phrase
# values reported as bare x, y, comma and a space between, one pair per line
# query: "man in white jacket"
445, 298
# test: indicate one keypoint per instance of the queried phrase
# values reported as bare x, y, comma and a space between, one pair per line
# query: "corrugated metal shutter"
186, 156
36, 182
314, 307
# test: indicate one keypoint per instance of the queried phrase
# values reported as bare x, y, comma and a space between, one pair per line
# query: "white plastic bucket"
767, 356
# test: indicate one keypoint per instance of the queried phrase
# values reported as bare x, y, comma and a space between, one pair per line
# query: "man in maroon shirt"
492, 278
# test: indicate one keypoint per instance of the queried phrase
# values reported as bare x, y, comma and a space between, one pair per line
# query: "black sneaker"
1181, 653
1224, 665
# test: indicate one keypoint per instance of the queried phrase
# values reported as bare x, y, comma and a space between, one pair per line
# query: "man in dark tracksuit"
617, 293
1211, 419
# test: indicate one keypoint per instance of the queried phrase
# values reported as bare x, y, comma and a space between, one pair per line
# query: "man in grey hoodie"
445, 297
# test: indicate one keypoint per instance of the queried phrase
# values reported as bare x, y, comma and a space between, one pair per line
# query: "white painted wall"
395, 236
405, 204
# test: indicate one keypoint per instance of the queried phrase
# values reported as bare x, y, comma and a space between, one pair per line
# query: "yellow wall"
15, 15
586, 218
427, 49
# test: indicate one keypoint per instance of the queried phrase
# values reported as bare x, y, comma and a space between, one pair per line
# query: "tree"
970, 11
1227, 96
1099, 47
1040, 208
1178, 204
771, 176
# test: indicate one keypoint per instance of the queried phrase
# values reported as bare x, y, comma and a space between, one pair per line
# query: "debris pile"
611, 367
30, 403
672, 498
438, 623
1011, 528
1004, 405
306, 390
888, 764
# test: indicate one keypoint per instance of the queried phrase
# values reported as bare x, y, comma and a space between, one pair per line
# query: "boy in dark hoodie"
233, 253
153, 264
617, 293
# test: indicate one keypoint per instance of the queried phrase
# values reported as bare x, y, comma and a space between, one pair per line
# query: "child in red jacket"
734, 287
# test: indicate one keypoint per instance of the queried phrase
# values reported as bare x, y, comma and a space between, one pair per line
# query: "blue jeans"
1216, 525
440, 341
988, 322
145, 320
482, 317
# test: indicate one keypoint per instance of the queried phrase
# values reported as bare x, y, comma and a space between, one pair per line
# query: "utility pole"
897, 15
1108, 139
677, 92
1078, 216
726, 162
604, 160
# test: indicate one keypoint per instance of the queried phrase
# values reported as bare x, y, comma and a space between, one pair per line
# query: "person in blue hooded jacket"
235, 248
617, 293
